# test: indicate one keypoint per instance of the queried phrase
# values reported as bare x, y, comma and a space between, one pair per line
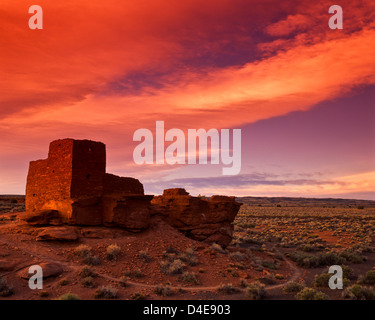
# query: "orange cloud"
290, 24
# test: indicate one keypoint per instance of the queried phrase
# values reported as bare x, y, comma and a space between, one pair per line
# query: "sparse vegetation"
5, 289
256, 291
216, 248
311, 294
82, 251
164, 290
43, 294
138, 296
237, 256
68, 296
136, 273
190, 278
358, 292
113, 252
87, 272
369, 278
88, 282
227, 289
91, 260
293, 287
174, 267
106, 292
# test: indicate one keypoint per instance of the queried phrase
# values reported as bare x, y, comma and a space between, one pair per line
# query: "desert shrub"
217, 248
270, 265
163, 290
369, 278
307, 260
311, 294
304, 260
189, 257
190, 277
347, 272
293, 287
256, 291
227, 289
82, 250
63, 282
43, 294
87, 272
138, 296
113, 251
174, 267
144, 256
68, 296
330, 258
357, 292
88, 282
352, 256
136, 273
5, 289
91, 260
237, 256
321, 280
106, 292
191, 260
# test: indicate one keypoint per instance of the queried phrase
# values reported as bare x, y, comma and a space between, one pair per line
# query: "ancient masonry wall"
73, 181
49, 180
72, 185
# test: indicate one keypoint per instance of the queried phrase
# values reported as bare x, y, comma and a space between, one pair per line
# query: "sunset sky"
303, 94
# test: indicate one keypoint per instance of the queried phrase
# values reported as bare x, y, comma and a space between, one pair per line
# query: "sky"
302, 94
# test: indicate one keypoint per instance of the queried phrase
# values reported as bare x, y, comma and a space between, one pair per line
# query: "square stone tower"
70, 180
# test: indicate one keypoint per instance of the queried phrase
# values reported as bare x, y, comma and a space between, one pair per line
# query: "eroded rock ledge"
199, 218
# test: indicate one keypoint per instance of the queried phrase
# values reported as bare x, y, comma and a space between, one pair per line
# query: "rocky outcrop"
200, 218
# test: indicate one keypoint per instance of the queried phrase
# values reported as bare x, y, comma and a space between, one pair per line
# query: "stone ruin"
72, 187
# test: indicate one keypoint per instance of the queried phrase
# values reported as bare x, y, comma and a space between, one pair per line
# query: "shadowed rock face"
202, 219
72, 187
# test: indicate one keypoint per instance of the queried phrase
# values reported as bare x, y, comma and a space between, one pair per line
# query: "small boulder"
57, 234
8, 265
50, 269
43, 218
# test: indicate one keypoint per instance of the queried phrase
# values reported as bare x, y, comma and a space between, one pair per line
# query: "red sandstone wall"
50, 179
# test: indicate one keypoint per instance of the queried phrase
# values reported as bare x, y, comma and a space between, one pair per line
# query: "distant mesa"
72, 187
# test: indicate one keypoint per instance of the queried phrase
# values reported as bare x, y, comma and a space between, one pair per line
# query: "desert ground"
281, 250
